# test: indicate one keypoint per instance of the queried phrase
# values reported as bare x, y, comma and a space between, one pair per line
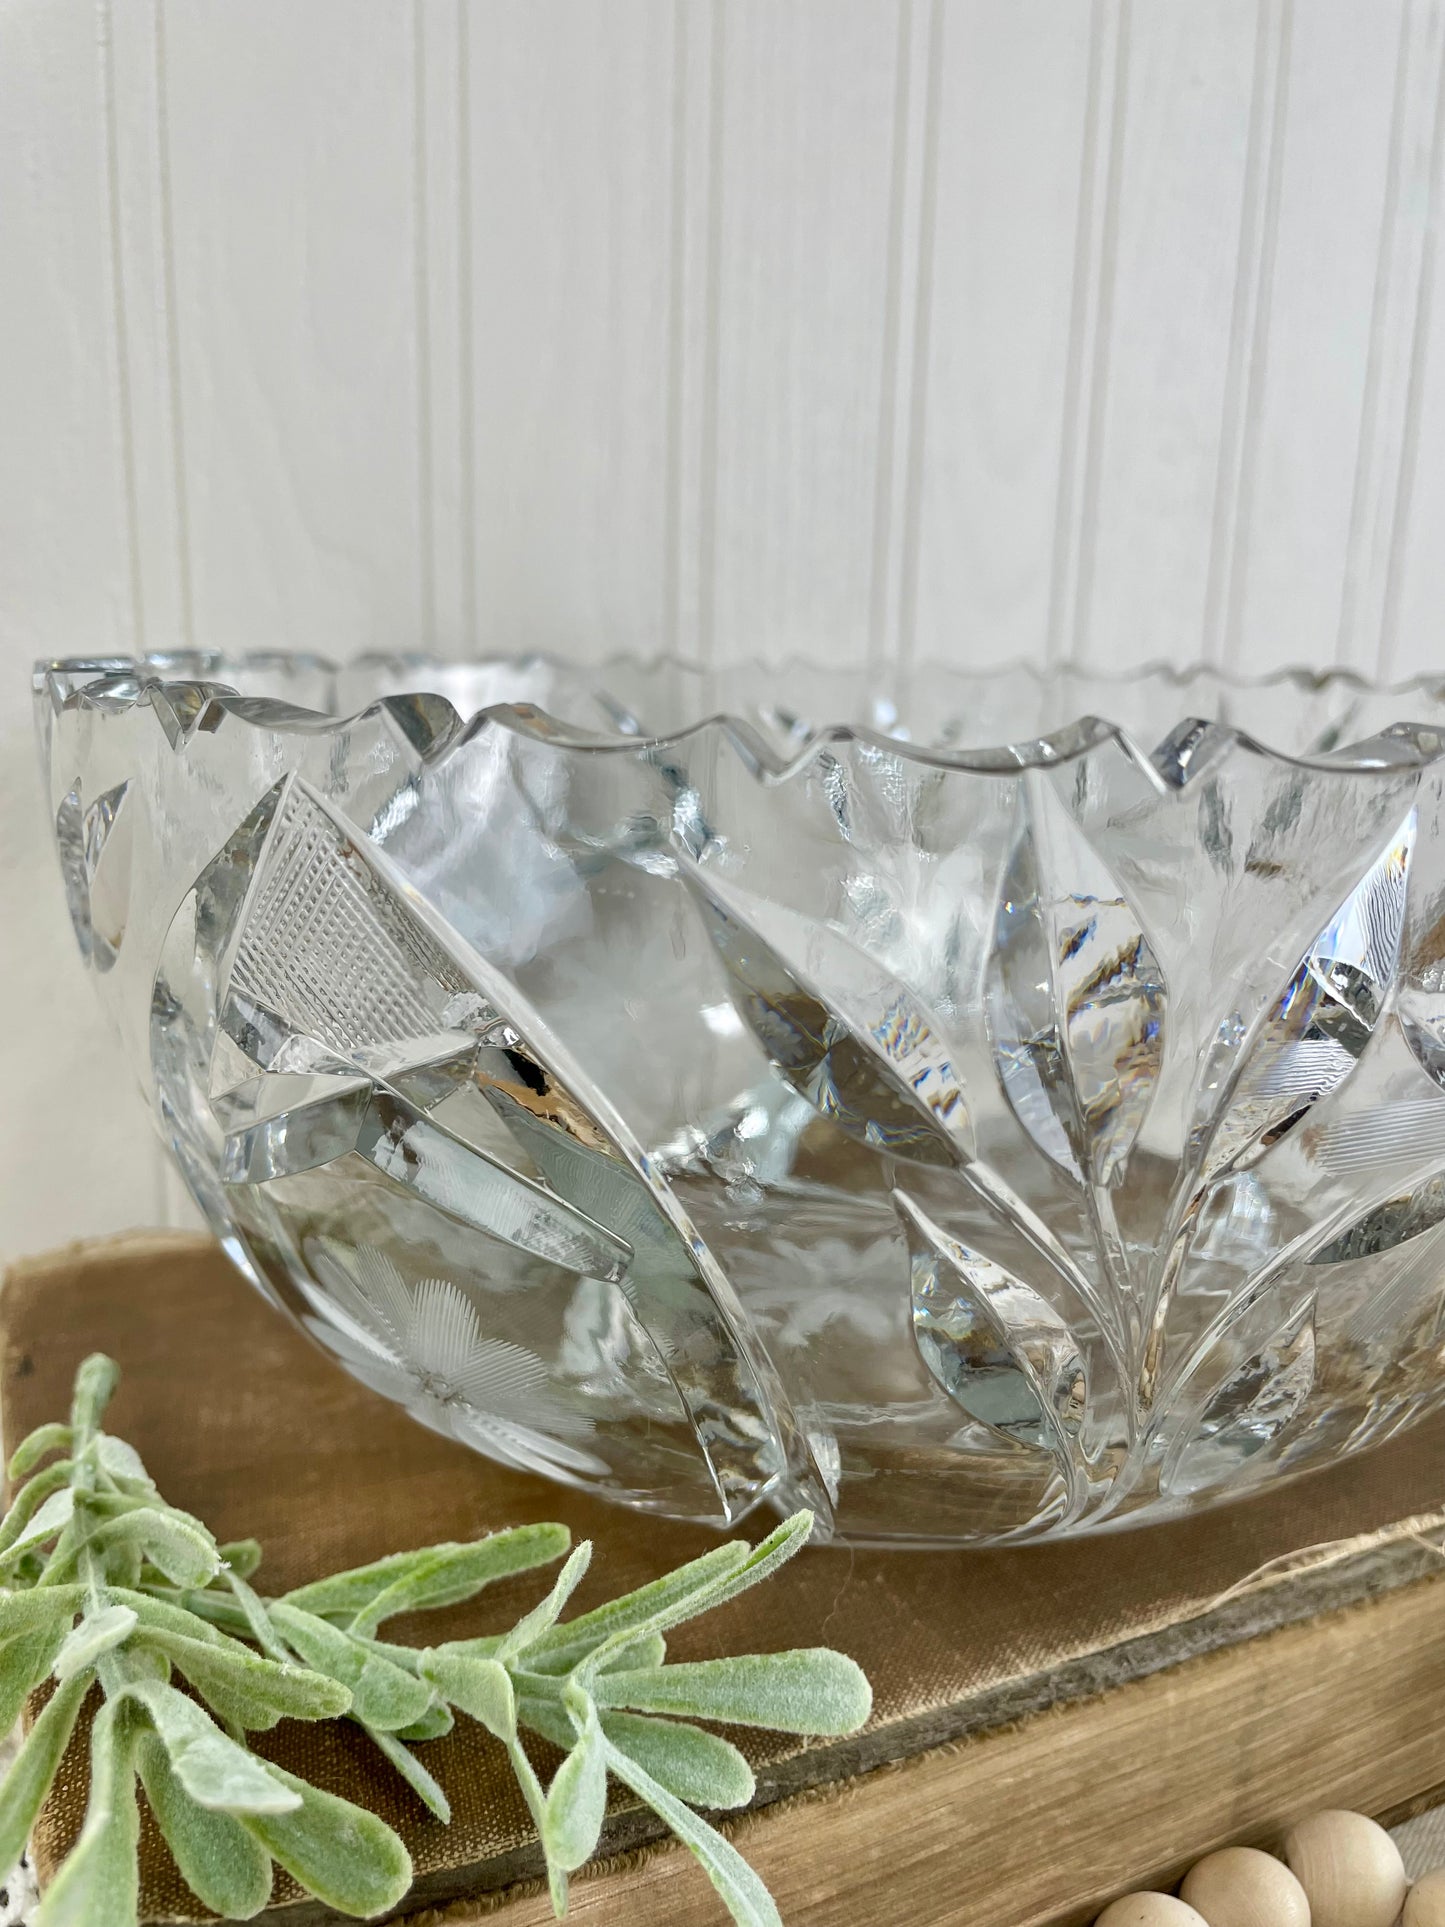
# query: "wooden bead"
1242, 1887
1350, 1868
1148, 1910
1425, 1902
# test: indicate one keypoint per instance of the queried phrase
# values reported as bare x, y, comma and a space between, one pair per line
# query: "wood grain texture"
932, 326
1339, 214
291, 177
69, 569
1012, 280
1040, 1826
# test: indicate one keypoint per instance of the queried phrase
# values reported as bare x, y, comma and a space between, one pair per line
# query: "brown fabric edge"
450, 1897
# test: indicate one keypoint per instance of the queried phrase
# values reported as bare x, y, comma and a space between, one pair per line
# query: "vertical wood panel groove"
676, 333
1257, 362
1249, 338
466, 344
172, 330
889, 370
421, 268
1386, 441
1103, 335
1224, 522
1414, 389
119, 330
1079, 308
922, 330
712, 346
1366, 451
206, 443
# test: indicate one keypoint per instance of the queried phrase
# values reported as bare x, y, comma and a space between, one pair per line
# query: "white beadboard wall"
891, 329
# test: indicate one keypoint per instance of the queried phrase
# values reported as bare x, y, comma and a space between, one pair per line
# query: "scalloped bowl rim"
124, 682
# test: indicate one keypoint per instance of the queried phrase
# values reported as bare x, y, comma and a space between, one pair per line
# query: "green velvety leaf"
577, 1797
558, 1650
414, 1773
24, 1662
339, 1852
762, 1562
649, 1650
97, 1885
256, 1691
382, 1694
758, 1563
743, 1893
123, 1463
97, 1633
258, 1619
48, 1519
38, 1445
546, 1613
95, 1383
159, 1615
239, 1711
430, 1577
436, 1721
536, 1800
480, 1687
218, 1860
387, 1696
145, 1662
183, 1551
549, 1718
44, 1606
812, 1690
25, 1786
242, 1556
214, 1771
702, 1768
123, 1566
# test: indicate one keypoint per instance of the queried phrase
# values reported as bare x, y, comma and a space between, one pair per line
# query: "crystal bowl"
974, 1143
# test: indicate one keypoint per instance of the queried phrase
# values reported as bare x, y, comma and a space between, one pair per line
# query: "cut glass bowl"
972, 1143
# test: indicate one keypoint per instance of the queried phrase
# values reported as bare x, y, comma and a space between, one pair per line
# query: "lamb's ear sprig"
105, 1585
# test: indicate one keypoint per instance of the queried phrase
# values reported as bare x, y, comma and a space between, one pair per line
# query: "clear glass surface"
981, 1127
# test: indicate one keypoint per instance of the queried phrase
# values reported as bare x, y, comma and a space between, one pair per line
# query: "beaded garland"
1334, 1869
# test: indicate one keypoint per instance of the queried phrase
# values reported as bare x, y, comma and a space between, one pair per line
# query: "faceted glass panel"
980, 1127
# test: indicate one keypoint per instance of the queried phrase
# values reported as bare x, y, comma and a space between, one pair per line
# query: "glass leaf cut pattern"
1387, 1225
999, 1350
354, 1023
1420, 993
1076, 1000
1315, 1031
95, 843
1248, 1412
842, 1030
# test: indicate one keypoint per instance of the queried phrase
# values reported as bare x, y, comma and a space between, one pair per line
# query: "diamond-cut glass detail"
970, 1121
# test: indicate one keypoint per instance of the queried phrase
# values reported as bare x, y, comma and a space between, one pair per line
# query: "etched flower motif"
423, 1346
